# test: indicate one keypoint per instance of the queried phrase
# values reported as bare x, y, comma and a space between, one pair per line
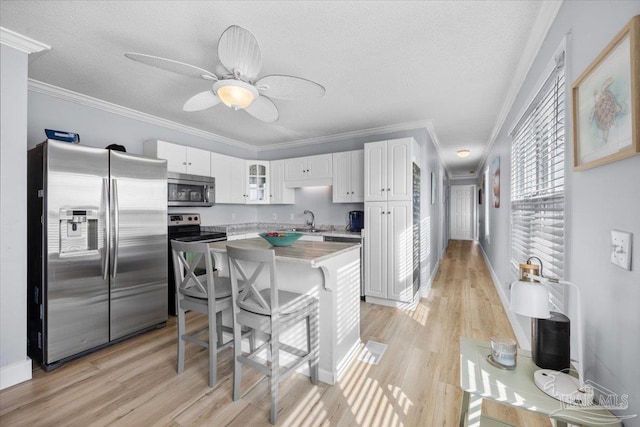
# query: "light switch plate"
621, 249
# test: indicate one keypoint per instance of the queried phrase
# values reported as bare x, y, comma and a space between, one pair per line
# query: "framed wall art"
495, 181
434, 188
606, 103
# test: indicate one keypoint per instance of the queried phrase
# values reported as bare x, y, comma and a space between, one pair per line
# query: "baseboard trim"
411, 306
15, 373
524, 341
424, 290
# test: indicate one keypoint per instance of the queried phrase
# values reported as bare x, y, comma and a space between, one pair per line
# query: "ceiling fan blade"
264, 109
201, 101
173, 66
289, 87
238, 50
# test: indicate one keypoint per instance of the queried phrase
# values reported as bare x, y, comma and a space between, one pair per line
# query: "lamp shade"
235, 93
530, 299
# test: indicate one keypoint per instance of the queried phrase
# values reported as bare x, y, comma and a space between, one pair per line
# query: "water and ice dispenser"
78, 231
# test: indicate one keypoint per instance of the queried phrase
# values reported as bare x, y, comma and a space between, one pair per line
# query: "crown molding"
346, 135
431, 130
547, 14
78, 98
20, 42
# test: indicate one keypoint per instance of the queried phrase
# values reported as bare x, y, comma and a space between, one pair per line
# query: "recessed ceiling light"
463, 153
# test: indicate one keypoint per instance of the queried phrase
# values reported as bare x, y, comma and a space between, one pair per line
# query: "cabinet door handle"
382, 189
388, 212
184, 163
388, 189
382, 212
189, 162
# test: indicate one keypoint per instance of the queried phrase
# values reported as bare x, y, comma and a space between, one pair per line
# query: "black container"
356, 221
550, 342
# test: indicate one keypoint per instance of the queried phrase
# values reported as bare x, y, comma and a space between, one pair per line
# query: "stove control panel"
184, 219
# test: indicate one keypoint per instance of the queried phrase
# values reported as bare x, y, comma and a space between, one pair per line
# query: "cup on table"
504, 351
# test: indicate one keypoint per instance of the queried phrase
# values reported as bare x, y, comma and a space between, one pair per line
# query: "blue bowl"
285, 240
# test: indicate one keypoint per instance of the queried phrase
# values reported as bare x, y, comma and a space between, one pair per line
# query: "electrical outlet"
274, 216
291, 216
233, 217
621, 249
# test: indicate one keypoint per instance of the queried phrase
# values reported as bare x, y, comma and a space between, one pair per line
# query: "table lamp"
531, 299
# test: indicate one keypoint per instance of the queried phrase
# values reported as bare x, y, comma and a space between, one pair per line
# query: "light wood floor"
134, 383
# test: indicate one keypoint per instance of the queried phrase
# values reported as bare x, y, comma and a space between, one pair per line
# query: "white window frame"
538, 211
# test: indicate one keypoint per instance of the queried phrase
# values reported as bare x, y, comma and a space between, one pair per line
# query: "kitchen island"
330, 272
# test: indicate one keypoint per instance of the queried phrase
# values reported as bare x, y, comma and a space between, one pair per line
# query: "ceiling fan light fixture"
463, 153
235, 93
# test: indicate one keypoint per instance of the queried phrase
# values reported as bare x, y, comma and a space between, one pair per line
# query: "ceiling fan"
236, 86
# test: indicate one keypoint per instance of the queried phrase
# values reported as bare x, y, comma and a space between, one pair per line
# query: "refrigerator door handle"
107, 228
116, 227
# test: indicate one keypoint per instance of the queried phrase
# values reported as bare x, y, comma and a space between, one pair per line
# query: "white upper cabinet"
388, 169
229, 173
257, 179
320, 167
308, 171
295, 169
180, 158
348, 177
280, 194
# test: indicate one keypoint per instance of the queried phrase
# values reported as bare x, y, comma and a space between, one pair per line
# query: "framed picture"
495, 181
606, 103
434, 188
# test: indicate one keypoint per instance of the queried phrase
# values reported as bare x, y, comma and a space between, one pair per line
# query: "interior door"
462, 214
138, 243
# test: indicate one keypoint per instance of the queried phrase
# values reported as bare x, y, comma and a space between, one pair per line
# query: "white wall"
15, 366
599, 200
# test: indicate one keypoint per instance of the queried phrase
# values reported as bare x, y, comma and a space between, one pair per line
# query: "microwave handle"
209, 193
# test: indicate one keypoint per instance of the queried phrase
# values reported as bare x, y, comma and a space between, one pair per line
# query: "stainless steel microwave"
190, 190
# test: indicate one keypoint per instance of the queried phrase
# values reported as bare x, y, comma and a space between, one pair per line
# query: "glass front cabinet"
257, 182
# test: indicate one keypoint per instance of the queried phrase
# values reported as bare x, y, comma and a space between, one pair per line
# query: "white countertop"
244, 228
300, 251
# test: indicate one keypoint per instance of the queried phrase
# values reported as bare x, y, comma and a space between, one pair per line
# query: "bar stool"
271, 311
204, 294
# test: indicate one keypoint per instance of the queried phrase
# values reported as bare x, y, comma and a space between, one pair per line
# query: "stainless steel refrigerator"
97, 248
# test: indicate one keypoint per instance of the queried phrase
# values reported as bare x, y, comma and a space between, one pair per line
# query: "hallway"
415, 384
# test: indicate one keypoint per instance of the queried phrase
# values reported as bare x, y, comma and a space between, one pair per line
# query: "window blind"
537, 181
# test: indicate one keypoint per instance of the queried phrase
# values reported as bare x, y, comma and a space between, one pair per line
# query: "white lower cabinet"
389, 250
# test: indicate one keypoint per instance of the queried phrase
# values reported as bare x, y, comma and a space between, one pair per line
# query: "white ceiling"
451, 66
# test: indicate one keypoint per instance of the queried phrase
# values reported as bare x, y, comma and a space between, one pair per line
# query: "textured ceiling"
383, 64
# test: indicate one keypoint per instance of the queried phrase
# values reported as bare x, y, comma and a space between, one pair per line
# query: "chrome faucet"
311, 223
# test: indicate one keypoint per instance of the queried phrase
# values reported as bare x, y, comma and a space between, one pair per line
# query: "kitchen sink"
308, 230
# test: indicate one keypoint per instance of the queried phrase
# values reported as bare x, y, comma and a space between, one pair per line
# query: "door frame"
474, 209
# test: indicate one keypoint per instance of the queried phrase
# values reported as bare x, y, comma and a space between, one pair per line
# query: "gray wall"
599, 200
13, 215
100, 128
